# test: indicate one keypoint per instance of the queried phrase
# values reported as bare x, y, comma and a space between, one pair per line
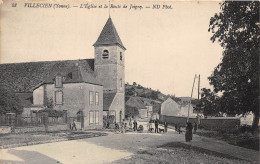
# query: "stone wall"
38, 96
41, 128
118, 105
174, 120
110, 71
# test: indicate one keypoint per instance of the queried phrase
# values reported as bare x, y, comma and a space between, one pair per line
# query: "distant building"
136, 102
149, 108
170, 108
185, 108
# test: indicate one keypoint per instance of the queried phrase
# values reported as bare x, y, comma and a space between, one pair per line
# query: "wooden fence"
19, 121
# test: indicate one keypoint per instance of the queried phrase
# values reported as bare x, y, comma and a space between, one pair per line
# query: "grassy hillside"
140, 91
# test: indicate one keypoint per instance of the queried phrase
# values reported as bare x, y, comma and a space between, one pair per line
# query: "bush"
220, 124
245, 128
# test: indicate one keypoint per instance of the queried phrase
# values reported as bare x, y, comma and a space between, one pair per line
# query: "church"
91, 88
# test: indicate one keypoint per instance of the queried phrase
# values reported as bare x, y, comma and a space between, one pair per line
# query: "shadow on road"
28, 157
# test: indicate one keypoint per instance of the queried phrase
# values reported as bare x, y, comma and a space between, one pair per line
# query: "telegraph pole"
198, 95
191, 98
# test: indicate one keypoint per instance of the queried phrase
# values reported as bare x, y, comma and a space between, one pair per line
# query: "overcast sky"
165, 48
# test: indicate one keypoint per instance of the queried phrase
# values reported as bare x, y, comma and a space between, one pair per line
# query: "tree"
129, 92
9, 102
208, 103
236, 28
154, 95
131, 111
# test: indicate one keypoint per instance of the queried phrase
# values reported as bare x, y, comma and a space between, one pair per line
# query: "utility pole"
198, 95
109, 9
191, 98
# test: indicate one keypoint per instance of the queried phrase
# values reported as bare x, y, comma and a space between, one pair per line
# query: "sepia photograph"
129, 81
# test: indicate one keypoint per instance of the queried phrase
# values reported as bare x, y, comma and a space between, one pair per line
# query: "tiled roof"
23, 77
107, 100
135, 102
25, 98
109, 35
75, 71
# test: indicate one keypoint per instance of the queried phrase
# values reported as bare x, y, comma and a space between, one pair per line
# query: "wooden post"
191, 98
198, 95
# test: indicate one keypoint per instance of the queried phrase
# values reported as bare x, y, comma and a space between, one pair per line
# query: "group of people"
156, 125
125, 125
134, 125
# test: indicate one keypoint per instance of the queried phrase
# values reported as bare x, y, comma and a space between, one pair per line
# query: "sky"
165, 48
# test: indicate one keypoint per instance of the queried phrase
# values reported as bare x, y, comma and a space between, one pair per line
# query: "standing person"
135, 125
156, 126
165, 126
195, 127
130, 123
188, 134
74, 125
123, 126
149, 126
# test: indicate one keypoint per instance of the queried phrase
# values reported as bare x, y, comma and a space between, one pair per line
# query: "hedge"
220, 123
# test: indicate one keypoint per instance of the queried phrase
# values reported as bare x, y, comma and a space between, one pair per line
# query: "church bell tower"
110, 69
110, 59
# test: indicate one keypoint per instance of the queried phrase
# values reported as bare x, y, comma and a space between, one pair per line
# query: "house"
74, 89
185, 108
136, 102
86, 89
170, 108
149, 108
148, 103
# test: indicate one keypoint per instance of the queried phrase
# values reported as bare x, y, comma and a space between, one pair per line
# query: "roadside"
130, 147
33, 138
217, 147
177, 153
246, 139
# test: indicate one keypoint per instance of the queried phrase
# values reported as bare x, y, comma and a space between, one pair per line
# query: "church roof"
107, 100
23, 77
109, 35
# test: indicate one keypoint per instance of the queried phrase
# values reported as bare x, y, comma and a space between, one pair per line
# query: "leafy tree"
156, 108
131, 111
154, 95
130, 91
236, 28
139, 86
9, 102
208, 103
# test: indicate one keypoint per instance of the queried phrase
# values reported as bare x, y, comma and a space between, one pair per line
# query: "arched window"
105, 54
